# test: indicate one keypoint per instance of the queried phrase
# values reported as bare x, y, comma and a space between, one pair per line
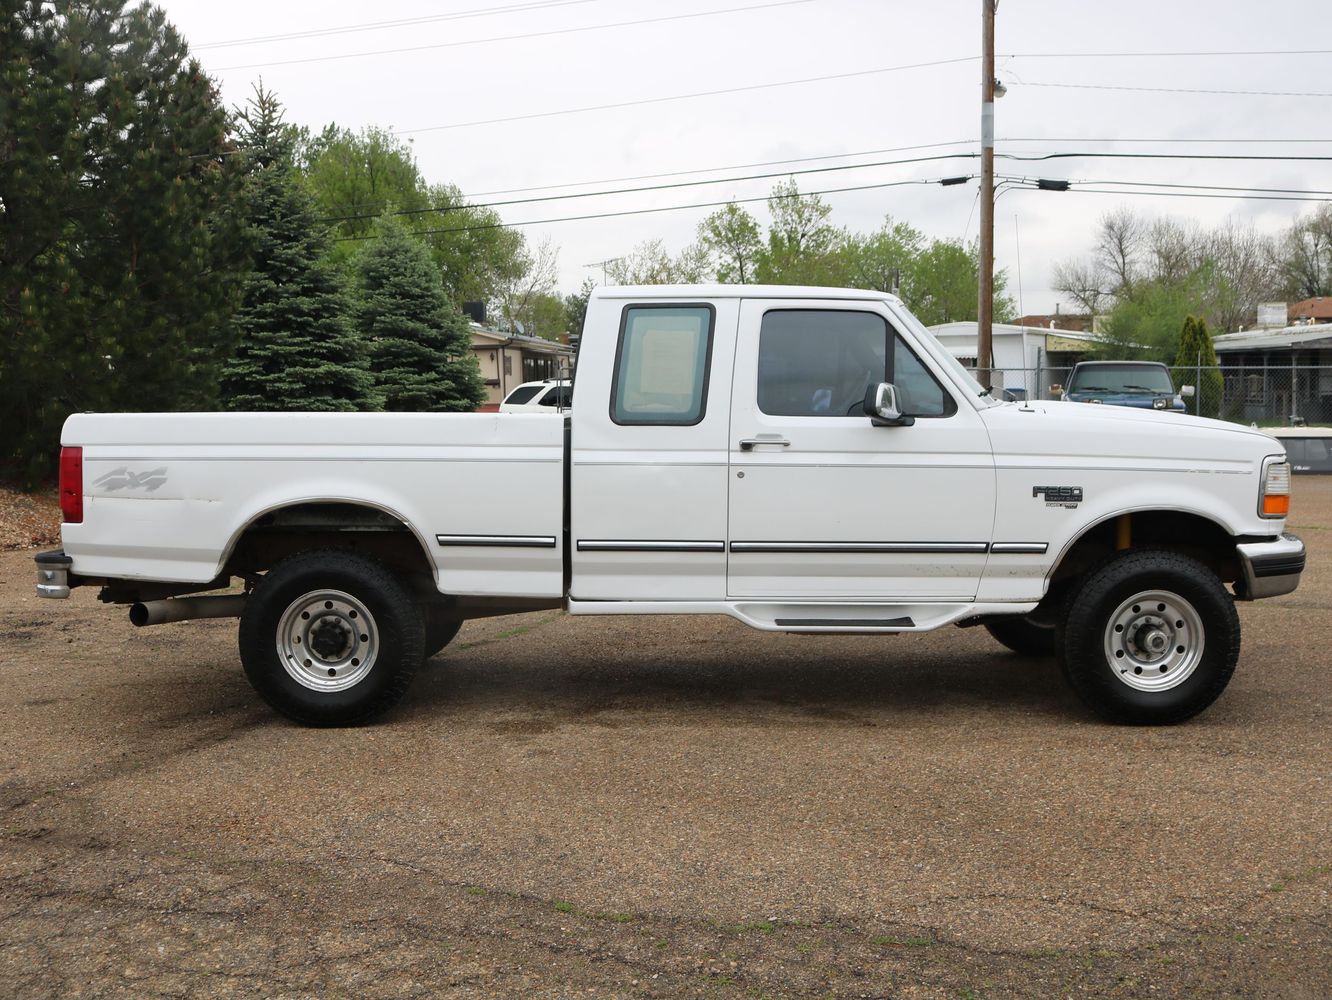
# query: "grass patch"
744, 927
903, 942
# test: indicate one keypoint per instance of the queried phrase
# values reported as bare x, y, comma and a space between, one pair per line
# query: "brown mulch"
28, 520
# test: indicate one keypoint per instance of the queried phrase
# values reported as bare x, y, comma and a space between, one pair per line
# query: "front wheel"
330, 638
1151, 637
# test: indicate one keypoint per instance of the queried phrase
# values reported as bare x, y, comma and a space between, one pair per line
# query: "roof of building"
1316, 308
536, 344
967, 328
1065, 322
1267, 340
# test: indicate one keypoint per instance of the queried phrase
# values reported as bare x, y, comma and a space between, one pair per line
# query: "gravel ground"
663, 808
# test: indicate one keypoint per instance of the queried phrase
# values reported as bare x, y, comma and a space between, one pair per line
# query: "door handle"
749, 444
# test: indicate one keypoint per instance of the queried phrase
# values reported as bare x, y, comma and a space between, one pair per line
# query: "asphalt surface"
669, 807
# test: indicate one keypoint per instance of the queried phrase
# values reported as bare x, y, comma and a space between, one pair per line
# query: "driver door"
825, 505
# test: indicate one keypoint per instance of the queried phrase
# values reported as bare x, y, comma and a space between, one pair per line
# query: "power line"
532, 5
512, 38
643, 211
733, 166
686, 97
653, 187
1169, 55
1163, 156
1177, 90
1240, 191
368, 211
1208, 187
1196, 194
1168, 140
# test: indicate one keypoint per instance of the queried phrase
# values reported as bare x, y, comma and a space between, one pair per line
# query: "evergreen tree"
296, 348
420, 347
119, 255
1195, 348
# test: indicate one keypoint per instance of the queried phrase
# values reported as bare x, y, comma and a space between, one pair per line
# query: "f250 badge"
123, 479
1059, 496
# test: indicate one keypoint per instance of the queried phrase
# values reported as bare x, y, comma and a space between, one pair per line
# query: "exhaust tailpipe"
180, 609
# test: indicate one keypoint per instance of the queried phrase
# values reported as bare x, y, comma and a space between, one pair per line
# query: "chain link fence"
1268, 396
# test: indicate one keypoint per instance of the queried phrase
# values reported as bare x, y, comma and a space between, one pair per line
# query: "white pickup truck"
802, 459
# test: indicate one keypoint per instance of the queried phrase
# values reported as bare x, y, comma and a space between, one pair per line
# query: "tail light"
71, 485
1274, 500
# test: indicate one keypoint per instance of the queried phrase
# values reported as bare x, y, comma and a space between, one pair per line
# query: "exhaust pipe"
180, 609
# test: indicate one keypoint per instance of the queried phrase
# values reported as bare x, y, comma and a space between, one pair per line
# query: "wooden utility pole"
985, 305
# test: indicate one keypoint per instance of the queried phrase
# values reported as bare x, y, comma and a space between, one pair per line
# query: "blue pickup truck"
1145, 385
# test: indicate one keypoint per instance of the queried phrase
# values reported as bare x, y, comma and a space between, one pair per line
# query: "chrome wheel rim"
1154, 641
327, 641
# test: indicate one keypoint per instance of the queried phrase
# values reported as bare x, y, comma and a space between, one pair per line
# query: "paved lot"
660, 808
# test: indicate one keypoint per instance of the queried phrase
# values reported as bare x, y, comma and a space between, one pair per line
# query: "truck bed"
168, 495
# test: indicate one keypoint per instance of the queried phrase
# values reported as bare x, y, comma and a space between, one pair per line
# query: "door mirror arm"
881, 406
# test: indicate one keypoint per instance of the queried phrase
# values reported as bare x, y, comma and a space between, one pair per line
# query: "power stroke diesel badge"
1059, 496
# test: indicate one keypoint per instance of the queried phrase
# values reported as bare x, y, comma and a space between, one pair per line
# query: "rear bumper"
53, 574
1270, 568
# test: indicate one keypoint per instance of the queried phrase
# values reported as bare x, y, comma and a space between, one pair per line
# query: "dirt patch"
661, 808
28, 520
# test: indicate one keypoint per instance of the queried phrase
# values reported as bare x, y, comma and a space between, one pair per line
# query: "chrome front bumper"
1269, 568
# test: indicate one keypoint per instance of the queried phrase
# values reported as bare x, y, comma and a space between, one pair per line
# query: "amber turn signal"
1276, 506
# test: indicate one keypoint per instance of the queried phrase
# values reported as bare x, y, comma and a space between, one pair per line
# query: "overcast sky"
449, 74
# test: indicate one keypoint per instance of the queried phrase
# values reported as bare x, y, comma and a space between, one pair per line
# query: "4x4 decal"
123, 479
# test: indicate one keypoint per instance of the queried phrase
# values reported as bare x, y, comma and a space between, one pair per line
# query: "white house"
1030, 358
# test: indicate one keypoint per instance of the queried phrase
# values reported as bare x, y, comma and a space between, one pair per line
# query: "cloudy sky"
498, 95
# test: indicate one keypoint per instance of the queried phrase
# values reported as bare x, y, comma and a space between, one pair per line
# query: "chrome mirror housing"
882, 408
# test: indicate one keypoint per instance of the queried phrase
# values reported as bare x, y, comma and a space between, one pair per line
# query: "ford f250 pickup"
805, 460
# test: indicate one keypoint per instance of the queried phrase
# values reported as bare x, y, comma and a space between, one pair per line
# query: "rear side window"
523, 394
560, 395
815, 363
661, 365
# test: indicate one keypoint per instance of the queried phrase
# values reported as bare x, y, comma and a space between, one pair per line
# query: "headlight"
1274, 496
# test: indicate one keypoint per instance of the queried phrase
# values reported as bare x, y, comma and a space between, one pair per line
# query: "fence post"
1197, 388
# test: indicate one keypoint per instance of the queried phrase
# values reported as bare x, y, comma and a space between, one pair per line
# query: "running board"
846, 622
814, 617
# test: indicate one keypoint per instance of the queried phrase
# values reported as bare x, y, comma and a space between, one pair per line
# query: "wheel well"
358, 527
1175, 530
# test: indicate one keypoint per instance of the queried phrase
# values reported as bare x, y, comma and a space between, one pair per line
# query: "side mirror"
881, 406
1057, 390
1186, 391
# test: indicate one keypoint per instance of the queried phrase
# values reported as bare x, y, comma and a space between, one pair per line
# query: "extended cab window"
815, 363
661, 365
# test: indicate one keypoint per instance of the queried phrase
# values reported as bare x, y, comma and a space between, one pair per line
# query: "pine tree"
420, 347
1195, 348
118, 252
296, 348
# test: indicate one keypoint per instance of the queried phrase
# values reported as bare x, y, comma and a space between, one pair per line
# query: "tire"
1022, 635
1151, 638
331, 638
440, 629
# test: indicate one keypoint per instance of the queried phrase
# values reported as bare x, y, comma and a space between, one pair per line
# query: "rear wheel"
330, 638
1022, 635
1151, 637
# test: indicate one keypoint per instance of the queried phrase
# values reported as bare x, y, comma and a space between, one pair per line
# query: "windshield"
1127, 379
941, 353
